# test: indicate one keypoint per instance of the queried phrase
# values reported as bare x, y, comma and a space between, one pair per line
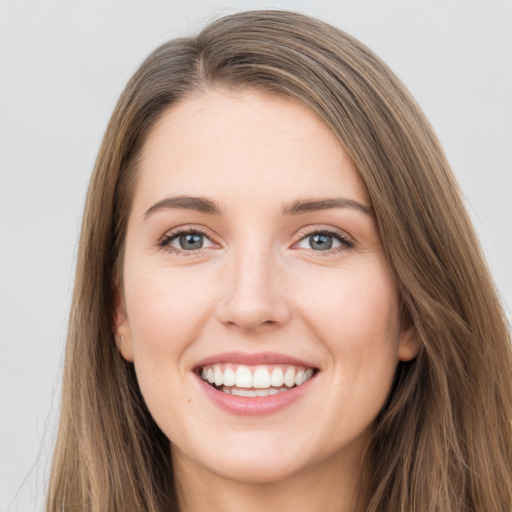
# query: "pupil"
191, 241
320, 242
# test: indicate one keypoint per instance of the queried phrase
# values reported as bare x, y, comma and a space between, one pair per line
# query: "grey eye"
321, 242
190, 241
324, 241
186, 241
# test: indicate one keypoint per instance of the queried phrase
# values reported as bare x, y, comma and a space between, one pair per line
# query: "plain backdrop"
63, 65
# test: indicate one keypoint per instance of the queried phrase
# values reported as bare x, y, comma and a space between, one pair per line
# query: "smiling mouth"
254, 381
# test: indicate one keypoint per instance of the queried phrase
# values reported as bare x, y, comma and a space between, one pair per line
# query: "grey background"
63, 65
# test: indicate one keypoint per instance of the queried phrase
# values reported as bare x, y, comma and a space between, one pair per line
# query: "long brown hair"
443, 442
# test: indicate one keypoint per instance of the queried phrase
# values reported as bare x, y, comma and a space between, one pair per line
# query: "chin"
256, 470
245, 460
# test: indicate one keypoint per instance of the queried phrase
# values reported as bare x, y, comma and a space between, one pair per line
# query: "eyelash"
346, 242
165, 241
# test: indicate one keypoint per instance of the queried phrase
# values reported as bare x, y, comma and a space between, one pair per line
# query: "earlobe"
125, 346
409, 344
121, 328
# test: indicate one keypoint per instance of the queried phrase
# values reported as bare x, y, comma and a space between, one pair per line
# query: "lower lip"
254, 406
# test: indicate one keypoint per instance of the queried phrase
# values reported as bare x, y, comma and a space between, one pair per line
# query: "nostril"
250, 316
253, 296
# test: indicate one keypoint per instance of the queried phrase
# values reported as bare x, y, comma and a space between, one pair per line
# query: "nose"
254, 292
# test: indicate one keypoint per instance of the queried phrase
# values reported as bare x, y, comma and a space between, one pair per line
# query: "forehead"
231, 144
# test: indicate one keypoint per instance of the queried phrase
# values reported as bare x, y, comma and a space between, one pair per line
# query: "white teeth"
254, 392
289, 377
218, 376
261, 378
243, 392
243, 377
229, 377
268, 379
277, 377
300, 377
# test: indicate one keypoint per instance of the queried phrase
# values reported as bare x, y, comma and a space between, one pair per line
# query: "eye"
323, 241
185, 241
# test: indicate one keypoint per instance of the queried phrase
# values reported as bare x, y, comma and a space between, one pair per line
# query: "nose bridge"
253, 292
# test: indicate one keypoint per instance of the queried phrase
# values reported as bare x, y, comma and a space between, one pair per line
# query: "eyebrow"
204, 205
199, 204
311, 205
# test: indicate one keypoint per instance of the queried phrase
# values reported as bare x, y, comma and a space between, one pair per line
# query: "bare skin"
252, 235
331, 489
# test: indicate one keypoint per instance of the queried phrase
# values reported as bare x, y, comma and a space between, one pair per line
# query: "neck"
330, 488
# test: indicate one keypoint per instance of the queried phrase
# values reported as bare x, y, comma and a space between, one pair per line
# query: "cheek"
165, 313
354, 310
164, 317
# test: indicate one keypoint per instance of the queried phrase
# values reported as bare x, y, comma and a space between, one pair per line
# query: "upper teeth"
259, 377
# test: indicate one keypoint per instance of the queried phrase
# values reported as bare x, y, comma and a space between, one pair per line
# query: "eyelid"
347, 242
164, 241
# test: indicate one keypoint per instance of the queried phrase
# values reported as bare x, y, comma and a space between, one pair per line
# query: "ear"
121, 327
408, 343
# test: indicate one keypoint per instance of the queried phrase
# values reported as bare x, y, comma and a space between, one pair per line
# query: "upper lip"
255, 359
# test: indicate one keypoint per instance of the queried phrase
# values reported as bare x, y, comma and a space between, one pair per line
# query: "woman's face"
253, 260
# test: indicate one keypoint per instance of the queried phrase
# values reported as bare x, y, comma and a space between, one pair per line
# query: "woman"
280, 302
